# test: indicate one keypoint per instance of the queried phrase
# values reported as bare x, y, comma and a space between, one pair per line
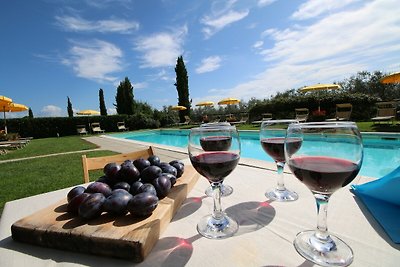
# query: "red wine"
324, 175
216, 143
215, 166
275, 147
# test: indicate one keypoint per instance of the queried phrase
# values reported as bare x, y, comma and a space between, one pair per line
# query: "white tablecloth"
265, 237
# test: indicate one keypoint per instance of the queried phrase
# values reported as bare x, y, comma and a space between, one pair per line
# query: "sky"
54, 49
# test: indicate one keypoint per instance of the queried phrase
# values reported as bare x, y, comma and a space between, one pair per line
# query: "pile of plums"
135, 186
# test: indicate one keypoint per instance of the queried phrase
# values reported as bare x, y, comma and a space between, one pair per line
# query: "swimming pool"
381, 151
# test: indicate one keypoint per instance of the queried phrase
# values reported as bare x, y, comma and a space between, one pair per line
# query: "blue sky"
51, 49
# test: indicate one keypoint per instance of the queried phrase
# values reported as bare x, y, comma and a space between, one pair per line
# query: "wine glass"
226, 190
272, 138
329, 158
215, 153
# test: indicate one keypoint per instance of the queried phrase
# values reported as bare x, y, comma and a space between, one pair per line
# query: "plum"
98, 187
149, 188
154, 160
120, 191
116, 203
150, 173
141, 164
75, 202
142, 204
162, 184
169, 169
180, 167
171, 177
122, 185
77, 190
92, 206
172, 162
128, 172
111, 170
106, 180
135, 187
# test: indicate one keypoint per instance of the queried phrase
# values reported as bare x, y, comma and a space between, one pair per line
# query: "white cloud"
215, 23
51, 111
106, 3
262, 3
77, 24
314, 8
258, 44
95, 60
330, 49
161, 49
209, 64
140, 85
111, 111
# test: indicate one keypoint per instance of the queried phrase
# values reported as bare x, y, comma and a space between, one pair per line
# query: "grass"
37, 147
29, 177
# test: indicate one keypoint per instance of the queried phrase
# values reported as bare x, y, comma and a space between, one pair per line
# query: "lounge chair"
186, 122
243, 120
96, 128
266, 117
121, 126
343, 112
301, 114
81, 129
386, 112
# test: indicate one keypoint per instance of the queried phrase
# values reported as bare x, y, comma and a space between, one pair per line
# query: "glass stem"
322, 209
217, 211
280, 185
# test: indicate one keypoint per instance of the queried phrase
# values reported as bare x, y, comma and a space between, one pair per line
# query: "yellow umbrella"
319, 87
391, 78
88, 112
4, 101
178, 108
205, 103
12, 107
229, 101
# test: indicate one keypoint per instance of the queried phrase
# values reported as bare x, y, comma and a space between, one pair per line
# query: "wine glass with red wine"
329, 158
272, 138
215, 153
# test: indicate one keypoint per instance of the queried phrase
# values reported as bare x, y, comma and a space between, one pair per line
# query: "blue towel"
382, 198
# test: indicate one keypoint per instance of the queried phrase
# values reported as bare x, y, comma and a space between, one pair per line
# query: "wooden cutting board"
122, 237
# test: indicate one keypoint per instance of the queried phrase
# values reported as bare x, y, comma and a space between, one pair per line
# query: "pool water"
381, 151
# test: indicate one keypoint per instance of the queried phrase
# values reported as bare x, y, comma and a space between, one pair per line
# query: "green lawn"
47, 146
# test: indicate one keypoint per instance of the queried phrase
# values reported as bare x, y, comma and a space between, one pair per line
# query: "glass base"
332, 252
281, 195
217, 229
226, 190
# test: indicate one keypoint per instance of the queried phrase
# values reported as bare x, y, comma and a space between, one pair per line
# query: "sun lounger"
186, 122
81, 129
121, 126
14, 144
386, 112
243, 120
266, 117
96, 128
301, 114
343, 112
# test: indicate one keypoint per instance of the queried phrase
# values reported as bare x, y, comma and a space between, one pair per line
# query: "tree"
124, 98
30, 113
182, 86
69, 108
103, 109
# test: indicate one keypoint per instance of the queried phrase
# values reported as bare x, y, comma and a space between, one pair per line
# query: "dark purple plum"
135, 187
128, 172
98, 187
116, 203
169, 169
142, 204
120, 191
122, 185
171, 177
111, 170
73, 205
92, 206
176, 161
154, 160
180, 168
77, 190
141, 164
106, 180
162, 184
150, 173
128, 161
148, 188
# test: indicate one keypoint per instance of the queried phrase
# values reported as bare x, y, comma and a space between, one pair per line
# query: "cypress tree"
30, 113
182, 86
69, 109
124, 98
103, 109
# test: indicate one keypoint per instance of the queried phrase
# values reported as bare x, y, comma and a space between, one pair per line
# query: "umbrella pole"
5, 122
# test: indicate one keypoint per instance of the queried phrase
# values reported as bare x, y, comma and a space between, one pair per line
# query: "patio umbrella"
391, 78
205, 104
12, 107
179, 108
88, 112
229, 101
319, 87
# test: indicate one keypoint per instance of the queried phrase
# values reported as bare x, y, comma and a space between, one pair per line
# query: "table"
265, 236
